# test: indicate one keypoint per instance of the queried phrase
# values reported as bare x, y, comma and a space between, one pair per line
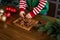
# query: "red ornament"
11, 9
7, 14
7, 8
14, 10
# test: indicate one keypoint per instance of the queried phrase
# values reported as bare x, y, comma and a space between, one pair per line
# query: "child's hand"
28, 15
22, 13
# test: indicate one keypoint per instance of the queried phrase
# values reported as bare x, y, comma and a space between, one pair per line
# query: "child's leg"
45, 10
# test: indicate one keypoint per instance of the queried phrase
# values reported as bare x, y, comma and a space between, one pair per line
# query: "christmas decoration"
3, 18
7, 14
52, 29
11, 9
8, 9
1, 12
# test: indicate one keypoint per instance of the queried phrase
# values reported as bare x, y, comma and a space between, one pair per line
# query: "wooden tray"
22, 24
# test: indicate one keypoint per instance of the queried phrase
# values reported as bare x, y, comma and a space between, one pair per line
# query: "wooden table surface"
13, 32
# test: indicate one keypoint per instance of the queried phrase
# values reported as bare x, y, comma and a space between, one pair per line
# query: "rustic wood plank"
13, 32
